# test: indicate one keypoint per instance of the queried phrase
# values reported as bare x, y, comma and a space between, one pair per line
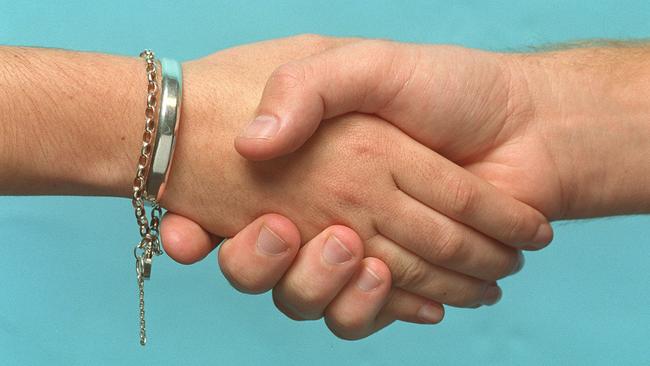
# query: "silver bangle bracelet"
171, 95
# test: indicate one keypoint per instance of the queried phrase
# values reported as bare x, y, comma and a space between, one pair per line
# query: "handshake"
375, 181
378, 181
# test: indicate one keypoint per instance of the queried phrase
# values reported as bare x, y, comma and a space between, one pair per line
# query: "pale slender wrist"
592, 107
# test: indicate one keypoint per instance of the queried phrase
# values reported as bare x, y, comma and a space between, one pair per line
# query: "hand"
507, 258
361, 300
575, 95
473, 107
78, 156
541, 129
520, 121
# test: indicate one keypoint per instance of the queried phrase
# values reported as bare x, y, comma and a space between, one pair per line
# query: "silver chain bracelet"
156, 153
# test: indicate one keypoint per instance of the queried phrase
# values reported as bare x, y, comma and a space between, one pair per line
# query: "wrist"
205, 158
591, 108
74, 120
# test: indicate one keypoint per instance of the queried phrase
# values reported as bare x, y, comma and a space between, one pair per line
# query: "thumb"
360, 77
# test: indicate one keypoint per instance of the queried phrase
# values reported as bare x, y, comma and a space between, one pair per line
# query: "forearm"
70, 122
594, 108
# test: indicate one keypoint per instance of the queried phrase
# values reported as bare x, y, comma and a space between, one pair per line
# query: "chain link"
149, 244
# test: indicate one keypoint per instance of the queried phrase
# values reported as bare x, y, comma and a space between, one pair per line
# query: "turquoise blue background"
67, 288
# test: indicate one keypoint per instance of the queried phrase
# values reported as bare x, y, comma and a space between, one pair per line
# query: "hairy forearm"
594, 108
70, 121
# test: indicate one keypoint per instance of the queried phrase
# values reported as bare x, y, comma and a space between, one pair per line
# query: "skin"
546, 129
51, 172
507, 118
69, 129
443, 245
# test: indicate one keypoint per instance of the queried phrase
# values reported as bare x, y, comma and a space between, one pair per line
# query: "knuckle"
243, 281
463, 199
315, 42
510, 265
465, 295
363, 145
362, 148
283, 308
449, 247
502, 264
289, 76
346, 325
377, 46
504, 269
519, 228
410, 274
344, 194
306, 301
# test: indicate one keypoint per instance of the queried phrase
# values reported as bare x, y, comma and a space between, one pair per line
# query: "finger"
321, 269
184, 240
351, 315
449, 189
257, 257
401, 305
443, 242
415, 275
408, 307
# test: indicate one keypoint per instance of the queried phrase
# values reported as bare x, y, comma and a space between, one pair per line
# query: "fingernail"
334, 252
270, 243
368, 280
262, 127
430, 313
520, 263
544, 234
491, 296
